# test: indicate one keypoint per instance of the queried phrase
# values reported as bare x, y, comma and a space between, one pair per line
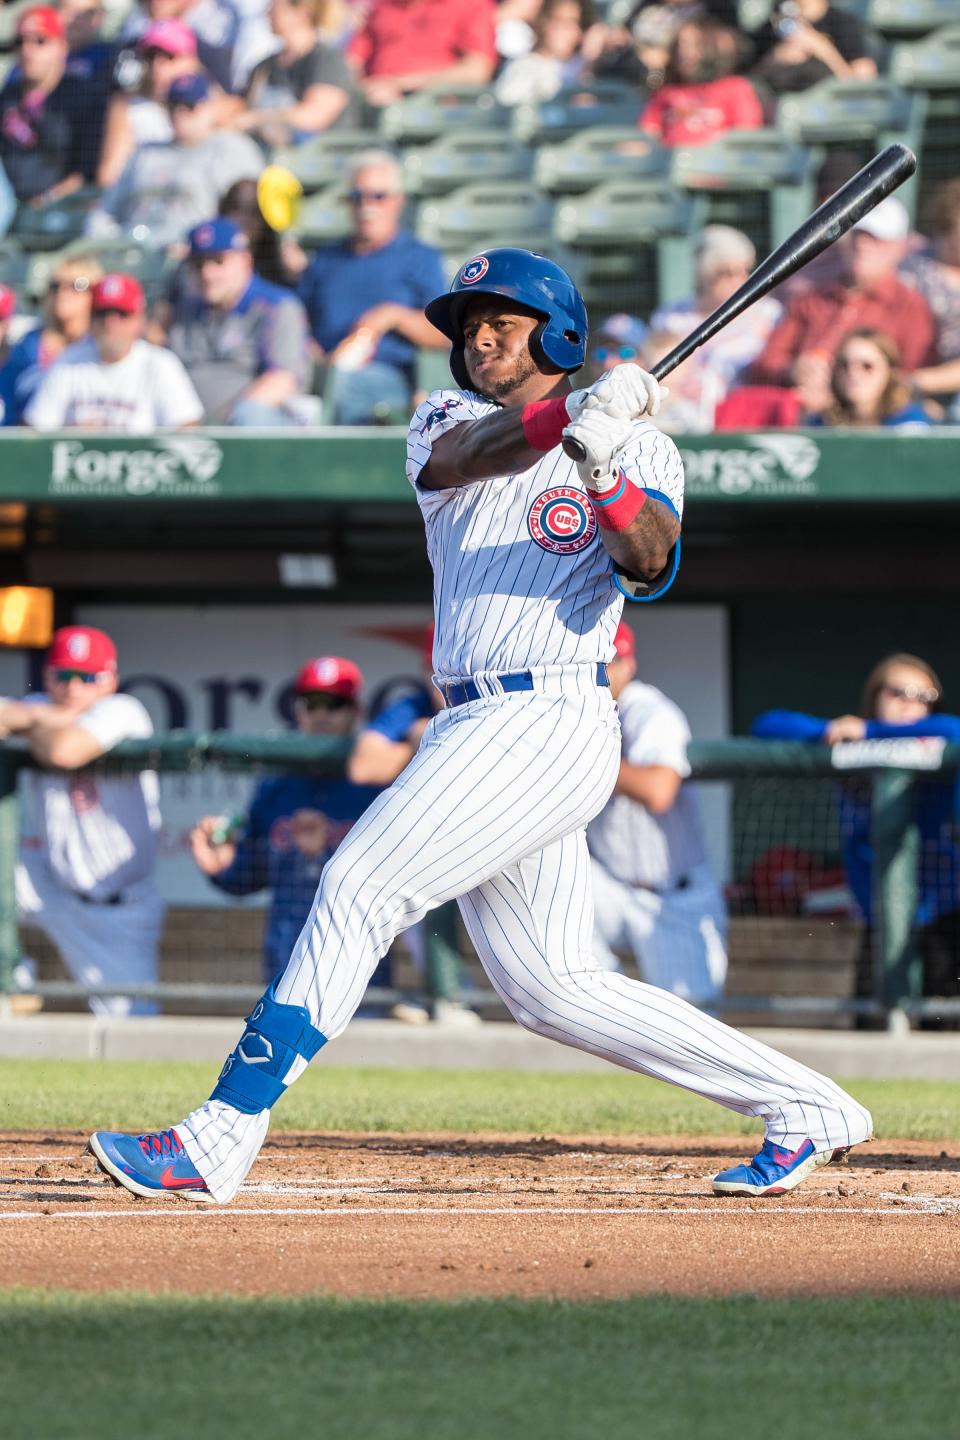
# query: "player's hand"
212, 856
627, 391
311, 832
845, 727
602, 436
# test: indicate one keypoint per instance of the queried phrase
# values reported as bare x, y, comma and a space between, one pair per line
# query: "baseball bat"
833, 218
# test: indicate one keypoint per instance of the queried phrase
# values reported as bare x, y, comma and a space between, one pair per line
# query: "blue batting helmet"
560, 340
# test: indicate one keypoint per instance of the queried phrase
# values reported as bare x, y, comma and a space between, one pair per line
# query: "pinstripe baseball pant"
492, 810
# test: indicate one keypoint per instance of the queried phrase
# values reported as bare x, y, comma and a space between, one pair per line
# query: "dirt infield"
441, 1216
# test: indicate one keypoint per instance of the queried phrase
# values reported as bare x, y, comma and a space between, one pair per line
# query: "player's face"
496, 347
906, 695
77, 691
321, 714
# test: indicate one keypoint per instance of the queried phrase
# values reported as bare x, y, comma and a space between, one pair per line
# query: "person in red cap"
48, 129
114, 379
655, 895
86, 877
294, 822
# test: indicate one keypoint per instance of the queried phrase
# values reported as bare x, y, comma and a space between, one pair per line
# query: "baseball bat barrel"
834, 218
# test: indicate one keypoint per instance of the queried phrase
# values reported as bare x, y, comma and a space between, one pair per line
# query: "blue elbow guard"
252, 1078
640, 590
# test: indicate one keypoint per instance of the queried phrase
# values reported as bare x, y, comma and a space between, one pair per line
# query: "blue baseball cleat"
774, 1171
154, 1164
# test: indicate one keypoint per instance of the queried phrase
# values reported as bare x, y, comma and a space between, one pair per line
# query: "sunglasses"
214, 258
847, 364
103, 311
79, 285
926, 696
63, 677
370, 197
149, 55
603, 353
22, 40
320, 700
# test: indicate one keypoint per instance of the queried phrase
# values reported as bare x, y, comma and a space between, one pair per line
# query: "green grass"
655, 1369
41, 1095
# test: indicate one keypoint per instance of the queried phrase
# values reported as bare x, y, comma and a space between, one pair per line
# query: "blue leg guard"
252, 1078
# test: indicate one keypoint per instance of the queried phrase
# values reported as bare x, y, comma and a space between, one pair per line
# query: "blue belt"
459, 692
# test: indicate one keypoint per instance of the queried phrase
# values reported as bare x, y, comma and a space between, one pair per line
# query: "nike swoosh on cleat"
169, 1181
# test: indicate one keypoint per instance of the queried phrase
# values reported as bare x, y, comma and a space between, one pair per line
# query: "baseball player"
653, 889
531, 554
86, 879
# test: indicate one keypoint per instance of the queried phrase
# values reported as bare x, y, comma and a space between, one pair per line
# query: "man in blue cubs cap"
532, 553
243, 340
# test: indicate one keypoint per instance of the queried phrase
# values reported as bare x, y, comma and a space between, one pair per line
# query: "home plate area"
445, 1216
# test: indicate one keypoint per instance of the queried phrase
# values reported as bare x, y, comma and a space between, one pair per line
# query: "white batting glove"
602, 436
628, 391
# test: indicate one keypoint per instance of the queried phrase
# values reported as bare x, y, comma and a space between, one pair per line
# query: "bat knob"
573, 449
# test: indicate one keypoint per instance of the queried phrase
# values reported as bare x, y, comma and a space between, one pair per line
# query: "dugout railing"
775, 812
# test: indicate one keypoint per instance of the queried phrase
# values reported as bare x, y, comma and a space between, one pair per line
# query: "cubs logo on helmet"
474, 270
562, 521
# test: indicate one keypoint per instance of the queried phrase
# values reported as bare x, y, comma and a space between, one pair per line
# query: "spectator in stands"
294, 822
934, 270
619, 339
138, 113
801, 350
48, 128
66, 319
805, 41
114, 379
302, 89
365, 299
214, 23
407, 45
277, 257
90, 60
723, 258
383, 748
901, 699
638, 49
554, 59
655, 891
244, 342
167, 188
8, 308
86, 877
868, 385
702, 96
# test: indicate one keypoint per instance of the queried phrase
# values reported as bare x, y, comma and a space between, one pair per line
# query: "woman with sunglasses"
138, 113
901, 700
66, 319
868, 385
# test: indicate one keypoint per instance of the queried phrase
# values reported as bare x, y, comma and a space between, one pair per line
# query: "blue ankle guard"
252, 1078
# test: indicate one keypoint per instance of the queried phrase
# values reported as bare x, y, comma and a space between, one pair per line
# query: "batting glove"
602, 436
626, 391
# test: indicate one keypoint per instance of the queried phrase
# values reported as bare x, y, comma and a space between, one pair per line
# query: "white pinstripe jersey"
521, 577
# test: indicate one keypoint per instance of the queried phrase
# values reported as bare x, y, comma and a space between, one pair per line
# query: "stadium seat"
323, 218
476, 217
911, 17
761, 181
464, 159
594, 157
51, 226
430, 114
14, 265
147, 263
577, 107
932, 65
631, 241
433, 370
321, 162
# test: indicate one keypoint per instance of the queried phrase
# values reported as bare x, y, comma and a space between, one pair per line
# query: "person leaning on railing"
901, 699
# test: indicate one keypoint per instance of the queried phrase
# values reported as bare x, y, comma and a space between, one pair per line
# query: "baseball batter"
526, 548
654, 890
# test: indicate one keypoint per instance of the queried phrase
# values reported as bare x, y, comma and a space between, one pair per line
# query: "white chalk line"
725, 1210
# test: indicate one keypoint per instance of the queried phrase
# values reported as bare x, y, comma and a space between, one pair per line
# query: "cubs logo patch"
474, 270
562, 521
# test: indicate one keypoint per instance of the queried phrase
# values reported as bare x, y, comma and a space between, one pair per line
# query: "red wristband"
617, 507
544, 422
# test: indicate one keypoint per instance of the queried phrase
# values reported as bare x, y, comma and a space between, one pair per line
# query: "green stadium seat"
147, 263
761, 181
577, 107
911, 17
479, 216
323, 218
464, 159
321, 162
14, 265
431, 114
597, 156
929, 64
631, 243
433, 370
50, 227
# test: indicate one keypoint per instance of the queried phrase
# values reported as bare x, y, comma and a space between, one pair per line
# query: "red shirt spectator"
408, 45
870, 296
757, 407
702, 97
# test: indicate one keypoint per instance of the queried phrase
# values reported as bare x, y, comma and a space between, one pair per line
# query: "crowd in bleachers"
267, 192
